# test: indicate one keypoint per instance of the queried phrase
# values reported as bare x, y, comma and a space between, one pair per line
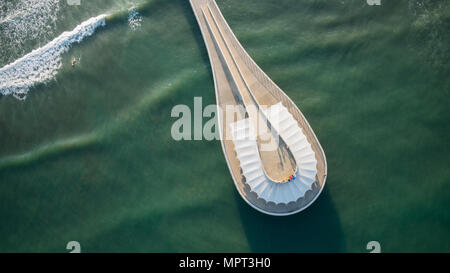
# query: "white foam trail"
42, 64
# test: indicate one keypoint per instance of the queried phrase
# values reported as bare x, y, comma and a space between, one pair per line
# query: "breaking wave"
42, 64
24, 24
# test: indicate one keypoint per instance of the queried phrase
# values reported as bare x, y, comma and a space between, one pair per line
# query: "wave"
48, 150
99, 136
134, 19
42, 64
24, 24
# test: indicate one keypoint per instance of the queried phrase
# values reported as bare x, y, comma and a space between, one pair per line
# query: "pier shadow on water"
316, 229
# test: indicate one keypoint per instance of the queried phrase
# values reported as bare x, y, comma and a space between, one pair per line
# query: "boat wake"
42, 64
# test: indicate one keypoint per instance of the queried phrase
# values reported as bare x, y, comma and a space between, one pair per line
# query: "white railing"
264, 80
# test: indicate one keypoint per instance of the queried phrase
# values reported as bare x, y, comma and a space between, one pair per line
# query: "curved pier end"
278, 182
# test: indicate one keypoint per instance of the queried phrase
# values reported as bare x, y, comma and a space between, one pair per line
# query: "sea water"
86, 152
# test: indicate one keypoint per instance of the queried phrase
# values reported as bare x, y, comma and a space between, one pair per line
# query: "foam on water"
42, 64
134, 19
24, 24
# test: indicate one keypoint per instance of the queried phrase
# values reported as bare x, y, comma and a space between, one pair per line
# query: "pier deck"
239, 81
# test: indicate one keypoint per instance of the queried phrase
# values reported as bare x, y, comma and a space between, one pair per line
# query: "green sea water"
89, 157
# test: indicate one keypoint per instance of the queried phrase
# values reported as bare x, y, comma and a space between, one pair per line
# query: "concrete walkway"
239, 81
